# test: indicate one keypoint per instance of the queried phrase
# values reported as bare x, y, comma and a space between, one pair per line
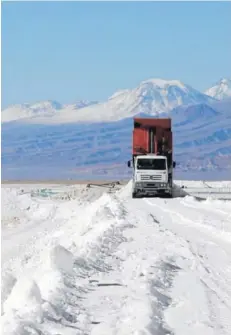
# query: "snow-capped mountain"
43, 109
26, 110
151, 97
221, 90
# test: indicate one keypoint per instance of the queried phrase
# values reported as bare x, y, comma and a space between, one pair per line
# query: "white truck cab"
151, 176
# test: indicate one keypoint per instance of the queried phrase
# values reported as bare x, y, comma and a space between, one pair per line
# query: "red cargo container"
152, 136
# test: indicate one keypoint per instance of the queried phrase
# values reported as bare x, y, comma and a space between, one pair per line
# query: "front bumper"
151, 187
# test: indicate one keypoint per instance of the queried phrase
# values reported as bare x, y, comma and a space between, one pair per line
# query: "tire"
134, 195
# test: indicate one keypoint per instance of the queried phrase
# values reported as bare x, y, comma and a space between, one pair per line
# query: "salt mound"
25, 301
126, 191
7, 284
61, 259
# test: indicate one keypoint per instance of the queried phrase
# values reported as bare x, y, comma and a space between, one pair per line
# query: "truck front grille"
151, 178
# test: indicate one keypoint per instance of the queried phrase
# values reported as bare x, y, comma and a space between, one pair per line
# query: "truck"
152, 157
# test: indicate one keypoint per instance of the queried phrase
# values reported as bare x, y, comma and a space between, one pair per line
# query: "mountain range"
153, 97
48, 140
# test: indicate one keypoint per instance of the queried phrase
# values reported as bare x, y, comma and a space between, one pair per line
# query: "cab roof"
151, 156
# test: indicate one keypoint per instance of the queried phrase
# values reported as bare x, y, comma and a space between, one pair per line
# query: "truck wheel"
134, 195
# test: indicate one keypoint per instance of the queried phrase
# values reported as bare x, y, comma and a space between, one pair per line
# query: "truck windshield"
151, 164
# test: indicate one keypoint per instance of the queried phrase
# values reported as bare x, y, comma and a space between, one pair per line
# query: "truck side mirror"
174, 164
129, 164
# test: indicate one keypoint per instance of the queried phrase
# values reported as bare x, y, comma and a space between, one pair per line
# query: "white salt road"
116, 265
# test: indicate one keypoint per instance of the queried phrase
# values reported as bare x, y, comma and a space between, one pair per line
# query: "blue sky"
67, 51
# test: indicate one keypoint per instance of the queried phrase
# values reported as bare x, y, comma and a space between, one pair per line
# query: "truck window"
151, 164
